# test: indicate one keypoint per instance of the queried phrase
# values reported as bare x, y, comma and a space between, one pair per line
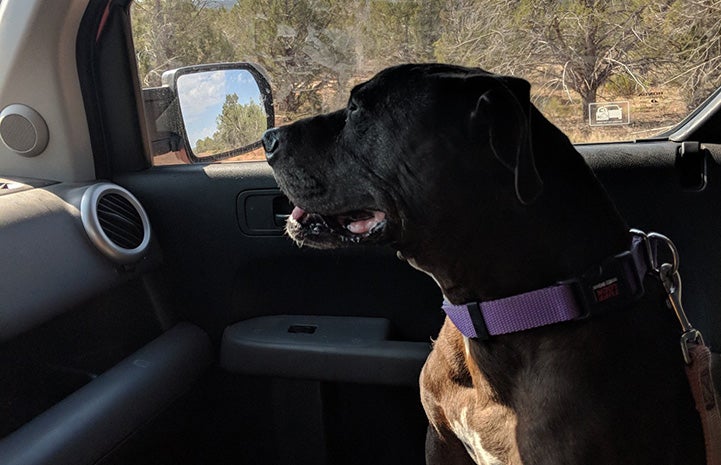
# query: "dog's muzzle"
315, 220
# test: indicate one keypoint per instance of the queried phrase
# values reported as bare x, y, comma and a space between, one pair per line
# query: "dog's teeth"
367, 225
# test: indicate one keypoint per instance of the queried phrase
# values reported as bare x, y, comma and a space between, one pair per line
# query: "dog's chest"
471, 439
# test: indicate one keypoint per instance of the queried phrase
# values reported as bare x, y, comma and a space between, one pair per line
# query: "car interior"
159, 315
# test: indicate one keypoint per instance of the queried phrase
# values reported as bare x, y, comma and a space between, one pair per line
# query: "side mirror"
213, 112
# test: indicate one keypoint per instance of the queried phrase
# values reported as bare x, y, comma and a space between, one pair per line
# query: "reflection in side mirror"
225, 109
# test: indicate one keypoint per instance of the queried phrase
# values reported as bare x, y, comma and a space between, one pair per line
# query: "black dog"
455, 169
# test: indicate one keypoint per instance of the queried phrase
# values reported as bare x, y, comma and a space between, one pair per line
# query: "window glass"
601, 70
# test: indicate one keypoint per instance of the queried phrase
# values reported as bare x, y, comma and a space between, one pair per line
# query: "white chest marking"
465, 432
472, 440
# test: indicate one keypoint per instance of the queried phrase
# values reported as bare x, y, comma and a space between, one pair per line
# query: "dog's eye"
352, 107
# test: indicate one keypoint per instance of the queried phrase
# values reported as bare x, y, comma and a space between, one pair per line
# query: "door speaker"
23, 130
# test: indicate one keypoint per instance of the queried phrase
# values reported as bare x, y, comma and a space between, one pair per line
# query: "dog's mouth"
330, 230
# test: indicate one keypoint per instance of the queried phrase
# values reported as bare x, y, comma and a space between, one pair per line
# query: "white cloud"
201, 91
245, 78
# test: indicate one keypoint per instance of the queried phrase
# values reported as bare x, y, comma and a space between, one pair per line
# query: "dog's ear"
505, 110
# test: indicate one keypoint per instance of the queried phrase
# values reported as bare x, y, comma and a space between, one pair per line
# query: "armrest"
83, 427
326, 348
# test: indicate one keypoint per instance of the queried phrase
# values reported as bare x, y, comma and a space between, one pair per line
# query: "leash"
615, 283
696, 354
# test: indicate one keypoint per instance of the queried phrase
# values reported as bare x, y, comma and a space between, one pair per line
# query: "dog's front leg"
446, 450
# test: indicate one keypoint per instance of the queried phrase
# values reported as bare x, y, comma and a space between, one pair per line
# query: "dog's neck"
571, 227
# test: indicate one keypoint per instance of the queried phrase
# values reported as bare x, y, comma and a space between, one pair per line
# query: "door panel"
223, 272
226, 275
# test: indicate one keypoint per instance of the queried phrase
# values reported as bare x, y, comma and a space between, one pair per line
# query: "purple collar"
615, 283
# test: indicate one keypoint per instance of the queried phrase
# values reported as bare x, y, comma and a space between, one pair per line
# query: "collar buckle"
615, 283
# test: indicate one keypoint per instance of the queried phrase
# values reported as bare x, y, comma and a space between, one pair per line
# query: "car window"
601, 70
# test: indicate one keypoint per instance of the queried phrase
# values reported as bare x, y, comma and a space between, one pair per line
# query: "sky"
202, 96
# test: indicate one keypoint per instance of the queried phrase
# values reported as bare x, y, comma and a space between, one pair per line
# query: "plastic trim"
89, 423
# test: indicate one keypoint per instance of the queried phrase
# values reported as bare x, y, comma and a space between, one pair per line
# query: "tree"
585, 42
315, 50
208, 146
689, 37
238, 125
576, 45
298, 43
173, 33
479, 33
399, 31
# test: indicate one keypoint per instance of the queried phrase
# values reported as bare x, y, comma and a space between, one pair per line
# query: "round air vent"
115, 222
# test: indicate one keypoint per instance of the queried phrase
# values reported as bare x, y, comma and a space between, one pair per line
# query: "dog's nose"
270, 143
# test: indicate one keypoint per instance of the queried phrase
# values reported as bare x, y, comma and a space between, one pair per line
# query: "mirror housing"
209, 112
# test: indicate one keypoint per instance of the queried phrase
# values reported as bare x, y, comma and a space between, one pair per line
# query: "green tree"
315, 50
169, 34
688, 36
238, 125
399, 31
308, 57
207, 146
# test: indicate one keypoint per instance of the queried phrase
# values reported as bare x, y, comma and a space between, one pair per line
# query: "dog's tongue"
297, 213
364, 226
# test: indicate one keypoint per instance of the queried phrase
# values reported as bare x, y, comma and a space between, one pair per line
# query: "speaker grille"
18, 133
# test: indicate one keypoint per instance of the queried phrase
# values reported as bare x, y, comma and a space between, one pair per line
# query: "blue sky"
202, 96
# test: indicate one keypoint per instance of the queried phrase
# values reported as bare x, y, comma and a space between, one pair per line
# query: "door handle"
263, 212
282, 209
281, 218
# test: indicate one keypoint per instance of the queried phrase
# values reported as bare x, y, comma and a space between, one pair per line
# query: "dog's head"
406, 157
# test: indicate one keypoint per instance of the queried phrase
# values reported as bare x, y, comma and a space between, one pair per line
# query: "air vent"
115, 222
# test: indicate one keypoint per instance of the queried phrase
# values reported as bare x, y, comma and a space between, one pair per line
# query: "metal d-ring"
671, 246
650, 256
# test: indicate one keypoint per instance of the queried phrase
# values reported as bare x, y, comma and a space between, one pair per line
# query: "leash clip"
671, 279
